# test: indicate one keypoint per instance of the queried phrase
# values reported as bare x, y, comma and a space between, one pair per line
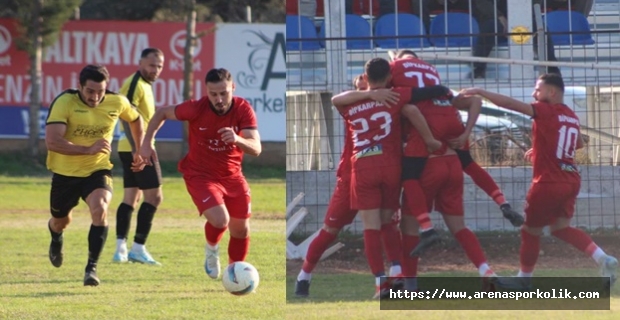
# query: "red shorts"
547, 201
233, 192
442, 182
376, 188
339, 213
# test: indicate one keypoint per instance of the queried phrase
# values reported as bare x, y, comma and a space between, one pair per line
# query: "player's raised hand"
147, 153
100, 146
459, 142
528, 155
386, 97
228, 135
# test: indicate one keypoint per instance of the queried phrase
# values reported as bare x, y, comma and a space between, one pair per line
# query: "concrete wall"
274, 153
596, 205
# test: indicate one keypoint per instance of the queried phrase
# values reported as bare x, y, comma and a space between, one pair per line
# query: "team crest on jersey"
370, 151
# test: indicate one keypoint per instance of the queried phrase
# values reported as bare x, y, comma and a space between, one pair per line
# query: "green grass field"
31, 288
333, 295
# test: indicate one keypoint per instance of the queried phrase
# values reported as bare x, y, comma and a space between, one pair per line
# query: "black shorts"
464, 157
67, 191
412, 168
149, 178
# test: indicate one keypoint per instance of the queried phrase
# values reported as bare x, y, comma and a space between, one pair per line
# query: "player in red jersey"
376, 157
340, 214
556, 180
408, 70
222, 127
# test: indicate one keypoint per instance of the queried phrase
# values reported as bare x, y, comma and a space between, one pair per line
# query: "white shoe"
212, 262
609, 265
142, 256
120, 256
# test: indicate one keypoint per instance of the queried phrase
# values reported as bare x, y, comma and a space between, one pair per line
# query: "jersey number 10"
567, 142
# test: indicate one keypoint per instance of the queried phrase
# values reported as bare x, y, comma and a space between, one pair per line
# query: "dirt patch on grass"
502, 252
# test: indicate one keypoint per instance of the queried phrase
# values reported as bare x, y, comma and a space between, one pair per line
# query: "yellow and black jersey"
86, 125
140, 93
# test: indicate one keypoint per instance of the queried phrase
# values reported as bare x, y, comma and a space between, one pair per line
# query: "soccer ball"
240, 278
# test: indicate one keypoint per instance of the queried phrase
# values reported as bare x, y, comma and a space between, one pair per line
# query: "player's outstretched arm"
384, 96
501, 100
160, 116
473, 105
418, 121
56, 142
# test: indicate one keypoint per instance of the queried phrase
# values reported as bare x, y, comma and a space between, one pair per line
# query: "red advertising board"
115, 44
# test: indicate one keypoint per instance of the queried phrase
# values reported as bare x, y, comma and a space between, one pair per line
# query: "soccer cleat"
609, 265
398, 282
302, 288
514, 217
489, 281
515, 283
56, 254
428, 238
141, 256
382, 291
120, 256
91, 279
212, 262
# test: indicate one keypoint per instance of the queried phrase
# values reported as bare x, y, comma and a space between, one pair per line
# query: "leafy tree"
39, 24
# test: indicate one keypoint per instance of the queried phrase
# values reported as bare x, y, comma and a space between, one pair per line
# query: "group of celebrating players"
404, 133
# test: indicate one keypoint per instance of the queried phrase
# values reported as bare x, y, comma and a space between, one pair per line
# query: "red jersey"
414, 73
208, 155
442, 118
376, 134
344, 167
554, 141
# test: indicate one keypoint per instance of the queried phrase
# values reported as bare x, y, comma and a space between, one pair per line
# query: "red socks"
238, 249
577, 239
392, 244
528, 254
372, 247
213, 234
408, 264
416, 201
316, 249
483, 180
472, 247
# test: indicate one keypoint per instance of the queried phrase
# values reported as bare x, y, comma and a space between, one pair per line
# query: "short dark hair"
148, 51
403, 52
96, 73
377, 69
553, 79
217, 75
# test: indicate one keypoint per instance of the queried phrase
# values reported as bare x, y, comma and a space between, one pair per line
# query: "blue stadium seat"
457, 23
408, 25
357, 27
300, 27
558, 21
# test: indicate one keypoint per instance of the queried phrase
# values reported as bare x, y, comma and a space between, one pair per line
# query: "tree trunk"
35, 80
188, 66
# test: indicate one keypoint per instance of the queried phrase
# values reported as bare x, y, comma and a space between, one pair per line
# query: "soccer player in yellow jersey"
138, 89
78, 133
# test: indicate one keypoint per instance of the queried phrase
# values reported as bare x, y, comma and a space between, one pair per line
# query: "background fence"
323, 63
